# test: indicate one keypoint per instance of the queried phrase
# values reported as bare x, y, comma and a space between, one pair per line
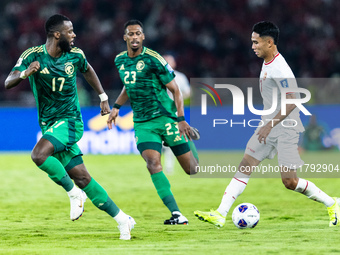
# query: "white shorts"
284, 144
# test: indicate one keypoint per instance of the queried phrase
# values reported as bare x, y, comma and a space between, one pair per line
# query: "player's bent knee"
81, 179
290, 183
80, 175
189, 170
188, 163
154, 166
193, 167
38, 158
193, 170
82, 182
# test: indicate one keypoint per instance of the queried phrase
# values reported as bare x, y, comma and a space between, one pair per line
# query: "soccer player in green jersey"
146, 77
51, 69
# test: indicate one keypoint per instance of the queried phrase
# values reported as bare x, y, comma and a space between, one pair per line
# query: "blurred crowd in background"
208, 38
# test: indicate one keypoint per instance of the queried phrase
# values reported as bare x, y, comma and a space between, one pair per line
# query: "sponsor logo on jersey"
122, 67
45, 71
69, 68
140, 65
251, 149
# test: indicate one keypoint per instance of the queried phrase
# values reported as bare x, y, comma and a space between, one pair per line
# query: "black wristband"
181, 118
117, 106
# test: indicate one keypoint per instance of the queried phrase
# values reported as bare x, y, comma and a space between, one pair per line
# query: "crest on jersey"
69, 68
265, 76
284, 83
140, 65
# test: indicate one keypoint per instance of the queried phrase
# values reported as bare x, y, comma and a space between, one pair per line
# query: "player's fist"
105, 108
33, 67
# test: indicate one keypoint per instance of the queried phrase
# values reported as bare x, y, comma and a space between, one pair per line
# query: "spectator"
184, 27
312, 139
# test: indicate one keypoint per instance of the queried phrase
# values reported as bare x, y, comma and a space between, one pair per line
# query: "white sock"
312, 192
73, 191
120, 217
234, 189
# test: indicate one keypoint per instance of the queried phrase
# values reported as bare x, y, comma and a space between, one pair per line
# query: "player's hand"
263, 133
112, 117
33, 67
184, 129
105, 107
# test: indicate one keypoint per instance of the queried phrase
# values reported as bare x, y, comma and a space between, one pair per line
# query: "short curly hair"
53, 23
133, 22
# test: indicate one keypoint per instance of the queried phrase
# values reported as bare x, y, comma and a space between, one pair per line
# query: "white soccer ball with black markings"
246, 215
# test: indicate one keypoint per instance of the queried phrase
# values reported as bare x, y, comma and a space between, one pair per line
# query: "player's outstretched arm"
92, 78
183, 126
122, 98
15, 77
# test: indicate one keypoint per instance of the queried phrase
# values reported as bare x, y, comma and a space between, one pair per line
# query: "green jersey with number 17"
54, 84
144, 78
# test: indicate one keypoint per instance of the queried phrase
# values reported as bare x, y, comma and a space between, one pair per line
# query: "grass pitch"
34, 212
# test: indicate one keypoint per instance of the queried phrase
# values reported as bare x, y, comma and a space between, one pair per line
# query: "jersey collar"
271, 61
46, 52
44, 48
143, 51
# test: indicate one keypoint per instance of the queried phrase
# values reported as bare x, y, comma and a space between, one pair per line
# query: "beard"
64, 44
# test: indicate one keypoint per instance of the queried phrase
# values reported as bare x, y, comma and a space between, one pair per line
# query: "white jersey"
277, 74
183, 84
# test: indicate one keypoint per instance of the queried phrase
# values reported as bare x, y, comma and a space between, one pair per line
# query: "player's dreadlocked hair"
133, 22
53, 23
267, 28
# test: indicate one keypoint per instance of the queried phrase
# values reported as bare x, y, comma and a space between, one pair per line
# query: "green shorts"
64, 135
150, 134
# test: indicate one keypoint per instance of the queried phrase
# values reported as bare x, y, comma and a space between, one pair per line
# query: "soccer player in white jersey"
273, 137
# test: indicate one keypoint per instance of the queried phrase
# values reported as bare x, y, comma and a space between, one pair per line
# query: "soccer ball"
246, 215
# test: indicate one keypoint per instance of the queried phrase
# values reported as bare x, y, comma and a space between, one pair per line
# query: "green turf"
34, 212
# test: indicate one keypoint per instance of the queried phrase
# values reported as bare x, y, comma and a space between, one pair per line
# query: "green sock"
100, 198
57, 173
162, 186
193, 150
